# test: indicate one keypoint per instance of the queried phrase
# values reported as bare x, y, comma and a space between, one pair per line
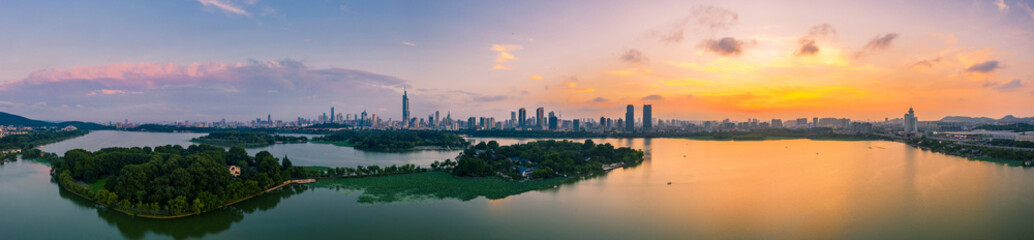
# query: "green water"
796, 189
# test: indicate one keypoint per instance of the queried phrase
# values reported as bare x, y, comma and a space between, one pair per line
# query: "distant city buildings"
910, 124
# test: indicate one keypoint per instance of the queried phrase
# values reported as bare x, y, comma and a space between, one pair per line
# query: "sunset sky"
206, 60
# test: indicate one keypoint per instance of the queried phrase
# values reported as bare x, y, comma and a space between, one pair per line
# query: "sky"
206, 60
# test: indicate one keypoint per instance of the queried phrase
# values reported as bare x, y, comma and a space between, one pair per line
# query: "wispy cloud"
727, 46
654, 97
408, 44
535, 77
504, 54
225, 6
704, 18
1026, 8
634, 56
878, 43
807, 42
1001, 5
1010, 86
984, 67
112, 92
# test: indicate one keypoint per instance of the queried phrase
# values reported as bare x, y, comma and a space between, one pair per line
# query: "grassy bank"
434, 184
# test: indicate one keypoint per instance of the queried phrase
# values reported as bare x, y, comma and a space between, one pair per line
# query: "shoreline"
288, 182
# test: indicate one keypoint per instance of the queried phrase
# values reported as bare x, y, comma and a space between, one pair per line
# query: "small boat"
669, 183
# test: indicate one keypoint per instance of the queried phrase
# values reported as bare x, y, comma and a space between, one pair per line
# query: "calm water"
769, 189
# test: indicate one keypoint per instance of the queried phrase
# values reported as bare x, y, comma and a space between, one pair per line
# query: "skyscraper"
575, 125
630, 118
405, 109
522, 115
911, 122
553, 121
647, 117
437, 120
332, 115
540, 118
269, 119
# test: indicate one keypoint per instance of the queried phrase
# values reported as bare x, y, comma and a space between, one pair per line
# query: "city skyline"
220, 59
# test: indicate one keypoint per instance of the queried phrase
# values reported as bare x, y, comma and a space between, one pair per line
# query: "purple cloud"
201, 91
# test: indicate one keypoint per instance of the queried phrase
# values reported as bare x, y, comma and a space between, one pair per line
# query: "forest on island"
377, 140
170, 180
544, 159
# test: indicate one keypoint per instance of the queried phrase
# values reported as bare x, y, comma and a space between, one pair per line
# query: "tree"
287, 163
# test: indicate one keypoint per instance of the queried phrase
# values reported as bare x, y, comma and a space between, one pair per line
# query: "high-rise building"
522, 115
575, 125
363, 122
911, 122
552, 121
269, 119
332, 115
814, 122
513, 118
630, 118
777, 123
405, 108
437, 119
603, 124
540, 118
647, 117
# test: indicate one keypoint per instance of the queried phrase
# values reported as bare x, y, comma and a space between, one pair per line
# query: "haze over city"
212, 59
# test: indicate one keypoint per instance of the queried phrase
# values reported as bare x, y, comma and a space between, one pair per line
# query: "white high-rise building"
911, 121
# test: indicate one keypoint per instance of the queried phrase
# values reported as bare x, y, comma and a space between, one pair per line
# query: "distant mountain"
11, 119
8, 119
987, 120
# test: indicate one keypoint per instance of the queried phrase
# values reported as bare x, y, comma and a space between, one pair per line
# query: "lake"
719, 189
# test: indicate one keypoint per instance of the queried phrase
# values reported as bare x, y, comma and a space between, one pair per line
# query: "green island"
488, 170
539, 160
434, 185
171, 181
26, 145
245, 139
1000, 155
390, 141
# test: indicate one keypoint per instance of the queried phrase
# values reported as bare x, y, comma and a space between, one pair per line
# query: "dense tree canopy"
171, 179
395, 140
548, 158
247, 139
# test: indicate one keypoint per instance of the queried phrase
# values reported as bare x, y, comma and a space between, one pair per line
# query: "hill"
11, 119
8, 119
987, 120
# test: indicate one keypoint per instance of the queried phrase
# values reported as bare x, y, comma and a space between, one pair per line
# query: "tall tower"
269, 119
630, 118
405, 108
647, 117
522, 115
332, 116
540, 118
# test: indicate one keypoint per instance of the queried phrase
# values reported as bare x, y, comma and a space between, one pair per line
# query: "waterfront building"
910, 123
630, 118
405, 108
647, 117
540, 118
522, 118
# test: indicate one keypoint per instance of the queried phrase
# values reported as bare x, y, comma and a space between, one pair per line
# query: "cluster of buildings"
541, 120
13, 130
